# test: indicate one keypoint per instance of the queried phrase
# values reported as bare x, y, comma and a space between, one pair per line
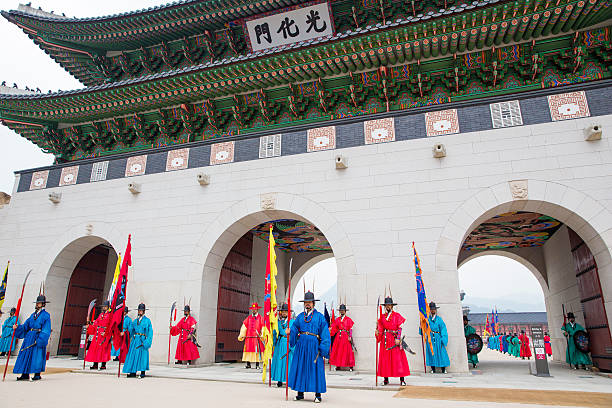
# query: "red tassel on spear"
289, 327
8, 356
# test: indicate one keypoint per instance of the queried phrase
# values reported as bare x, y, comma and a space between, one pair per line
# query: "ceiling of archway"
294, 235
517, 229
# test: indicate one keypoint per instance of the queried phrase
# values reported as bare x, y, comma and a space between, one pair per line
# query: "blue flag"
326, 314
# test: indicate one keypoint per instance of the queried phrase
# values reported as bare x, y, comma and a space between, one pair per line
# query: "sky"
25, 64
489, 279
324, 275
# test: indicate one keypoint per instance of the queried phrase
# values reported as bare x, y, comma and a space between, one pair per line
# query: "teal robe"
141, 338
572, 354
467, 330
7, 334
516, 347
439, 340
279, 360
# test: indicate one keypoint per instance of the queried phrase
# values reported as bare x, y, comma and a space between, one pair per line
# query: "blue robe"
141, 337
305, 375
126, 326
35, 333
439, 341
279, 360
7, 334
505, 343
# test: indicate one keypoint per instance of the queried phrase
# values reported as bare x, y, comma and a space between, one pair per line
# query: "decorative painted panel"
443, 122
322, 138
69, 176
379, 130
506, 114
98, 171
136, 166
39, 180
177, 159
568, 106
222, 153
270, 146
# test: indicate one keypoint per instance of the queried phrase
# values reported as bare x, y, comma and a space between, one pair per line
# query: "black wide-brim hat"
309, 297
466, 318
570, 315
342, 307
105, 303
142, 307
284, 307
41, 299
389, 301
432, 306
187, 308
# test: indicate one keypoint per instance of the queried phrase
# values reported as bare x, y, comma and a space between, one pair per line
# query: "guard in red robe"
342, 354
250, 333
547, 346
525, 349
186, 348
100, 348
392, 361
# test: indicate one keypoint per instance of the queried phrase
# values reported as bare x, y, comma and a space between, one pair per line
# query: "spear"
8, 356
288, 326
376, 340
170, 335
90, 309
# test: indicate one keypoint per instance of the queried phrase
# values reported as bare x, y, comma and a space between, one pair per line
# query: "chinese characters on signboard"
292, 26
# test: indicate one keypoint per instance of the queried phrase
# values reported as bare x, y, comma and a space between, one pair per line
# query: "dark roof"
510, 318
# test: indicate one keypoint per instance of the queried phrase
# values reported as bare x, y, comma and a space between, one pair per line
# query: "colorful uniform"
311, 341
7, 334
124, 341
141, 337
525, 349
100, 346
573, 355
342, 354
186, 349
467, 330
547, 346
35, 333
392, 361
439, 340
250, 332
279, 359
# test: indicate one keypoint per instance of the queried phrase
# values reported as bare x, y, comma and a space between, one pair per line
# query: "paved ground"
231, 383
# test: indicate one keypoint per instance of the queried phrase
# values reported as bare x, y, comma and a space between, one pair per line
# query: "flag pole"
423, 347
170, 334
289, 327
122, 341
8, 357
375, 339
90, 312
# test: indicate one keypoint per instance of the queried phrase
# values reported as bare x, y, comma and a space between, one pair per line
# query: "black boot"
116, 358
36, 377
299, 396
131, 375
94, 366
386, 381
433, 370
318, 397
279, 384
103, 366
142, 374
23, 377
402, 382
3, 354
443, 370
248, 364
257, 366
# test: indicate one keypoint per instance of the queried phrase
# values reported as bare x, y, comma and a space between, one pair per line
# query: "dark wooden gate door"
234, 298
86, 283
592, 300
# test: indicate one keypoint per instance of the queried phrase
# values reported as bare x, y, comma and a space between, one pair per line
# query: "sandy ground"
73, 390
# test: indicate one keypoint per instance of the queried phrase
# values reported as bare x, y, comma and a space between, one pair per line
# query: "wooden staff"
287, 336
122, 340
170, 328
8, 356
90, 312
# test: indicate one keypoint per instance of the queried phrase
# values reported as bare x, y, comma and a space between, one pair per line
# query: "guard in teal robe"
119, 354
467, 330
279, 359
439, 341
573, 356
516, 346
141, 338
309, 335
7, 334
35, 332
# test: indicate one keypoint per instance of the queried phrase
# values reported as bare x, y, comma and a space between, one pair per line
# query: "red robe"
342, 352
547, 347
251, 334
392, 361
525, 349
185, 349
100, 347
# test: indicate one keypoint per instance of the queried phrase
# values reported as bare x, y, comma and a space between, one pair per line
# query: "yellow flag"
270, 307
111, 291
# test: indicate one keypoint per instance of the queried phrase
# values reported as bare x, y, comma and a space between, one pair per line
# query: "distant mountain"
503, 304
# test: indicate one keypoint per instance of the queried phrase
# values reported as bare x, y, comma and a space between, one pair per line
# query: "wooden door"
592, 300
86, 283
234, 298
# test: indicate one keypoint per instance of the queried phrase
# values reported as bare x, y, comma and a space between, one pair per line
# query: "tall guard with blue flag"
309, 336
436, 354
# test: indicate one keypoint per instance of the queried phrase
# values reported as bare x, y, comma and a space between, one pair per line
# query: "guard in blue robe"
279, 359
439, 341
309, 336
7, 334
35, 333
505, 343
141, 338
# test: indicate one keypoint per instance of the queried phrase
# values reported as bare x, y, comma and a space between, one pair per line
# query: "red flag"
118, 303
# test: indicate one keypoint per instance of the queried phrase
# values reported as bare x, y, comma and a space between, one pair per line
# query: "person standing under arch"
573, 356
250, 333
438, 357
342, 354
186, 347
547, 346
279, 359
392, 361
100, 348
467, 330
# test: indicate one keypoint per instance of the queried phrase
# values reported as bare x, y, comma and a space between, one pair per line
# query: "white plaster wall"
391, 194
